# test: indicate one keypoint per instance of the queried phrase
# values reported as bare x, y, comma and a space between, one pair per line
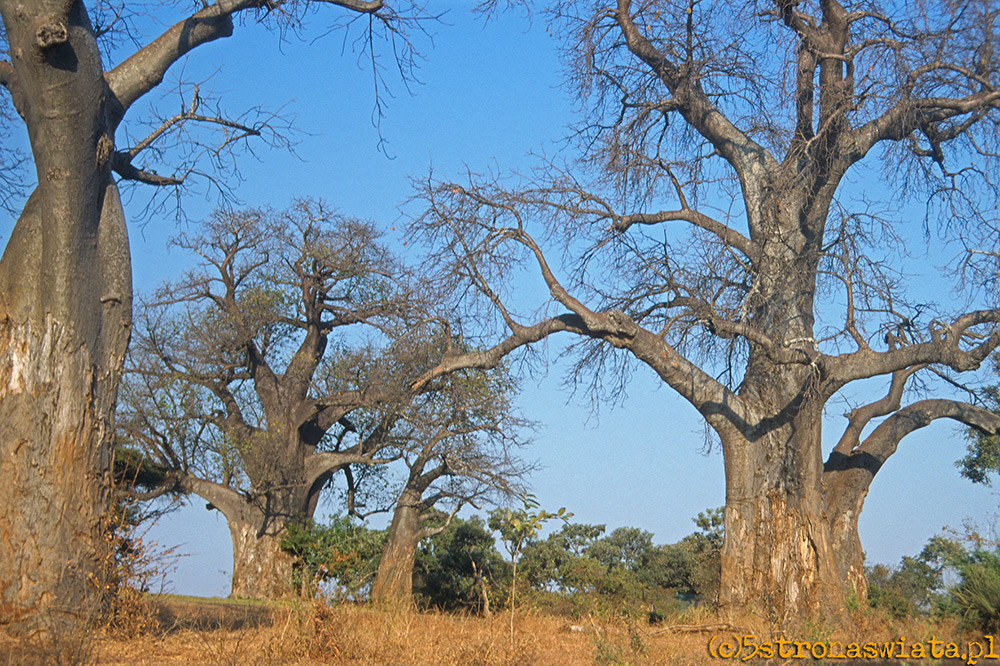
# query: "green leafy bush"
977, 596
453, 570
341, 556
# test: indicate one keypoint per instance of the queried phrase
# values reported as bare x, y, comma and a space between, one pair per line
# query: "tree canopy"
76, 75
732, 220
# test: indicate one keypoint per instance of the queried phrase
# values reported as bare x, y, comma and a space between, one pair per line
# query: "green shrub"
977, 596
341, 556
449, 566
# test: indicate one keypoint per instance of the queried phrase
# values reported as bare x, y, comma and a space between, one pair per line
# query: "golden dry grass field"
176, 631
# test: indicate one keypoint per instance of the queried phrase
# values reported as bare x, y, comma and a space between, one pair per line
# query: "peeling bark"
65, 316
57, 397
261, 569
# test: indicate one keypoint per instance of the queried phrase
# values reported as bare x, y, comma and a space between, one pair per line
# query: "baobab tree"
716, 237
65, 276
458, 442
243, 373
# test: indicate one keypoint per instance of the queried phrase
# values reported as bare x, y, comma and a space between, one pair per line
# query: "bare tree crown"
711, 230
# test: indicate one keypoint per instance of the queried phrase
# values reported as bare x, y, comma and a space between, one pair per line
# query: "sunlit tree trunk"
779, 557
261, 568
394, 580
258, 523
65, 314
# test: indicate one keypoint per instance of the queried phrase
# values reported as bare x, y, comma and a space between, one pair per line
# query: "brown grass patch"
188, 631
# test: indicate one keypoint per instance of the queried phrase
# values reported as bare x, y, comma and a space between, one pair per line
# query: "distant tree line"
577, 569
953, 574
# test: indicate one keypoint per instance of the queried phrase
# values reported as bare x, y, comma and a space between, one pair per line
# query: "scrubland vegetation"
176, 631
586, 596
729, 213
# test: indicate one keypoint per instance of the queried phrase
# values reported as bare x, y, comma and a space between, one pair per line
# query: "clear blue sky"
489, 94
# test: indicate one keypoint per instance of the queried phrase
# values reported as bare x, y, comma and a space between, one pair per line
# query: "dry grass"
170, 632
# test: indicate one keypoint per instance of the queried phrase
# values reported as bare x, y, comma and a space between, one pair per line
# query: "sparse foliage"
517, 528
77, 74
729, 225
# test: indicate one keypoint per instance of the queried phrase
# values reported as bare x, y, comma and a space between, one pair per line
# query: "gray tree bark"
394, 580
65, 314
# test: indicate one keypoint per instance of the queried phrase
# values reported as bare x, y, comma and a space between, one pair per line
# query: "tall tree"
718, 240
458, 443
243, 373
65, 281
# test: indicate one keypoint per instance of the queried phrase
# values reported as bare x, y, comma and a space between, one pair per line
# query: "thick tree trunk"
394, 580
54, 464
57, 394
787, 553
778, 558
258, 522
781, 556
850, 556
261, 569
65, 316
846, 491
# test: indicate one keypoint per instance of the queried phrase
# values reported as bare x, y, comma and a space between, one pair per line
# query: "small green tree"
561, 562
904, 590
917, 584
456, 568
517, 529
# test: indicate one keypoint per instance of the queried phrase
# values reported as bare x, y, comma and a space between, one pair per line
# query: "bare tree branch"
144, 70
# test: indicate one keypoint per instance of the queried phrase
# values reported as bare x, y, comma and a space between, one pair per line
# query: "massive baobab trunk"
779, 551
261, 568
65, 313
257, 522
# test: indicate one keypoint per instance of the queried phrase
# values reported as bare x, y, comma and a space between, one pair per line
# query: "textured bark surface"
56, 404
777, 556
790, 548
261, 569
394, 580
65, 313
